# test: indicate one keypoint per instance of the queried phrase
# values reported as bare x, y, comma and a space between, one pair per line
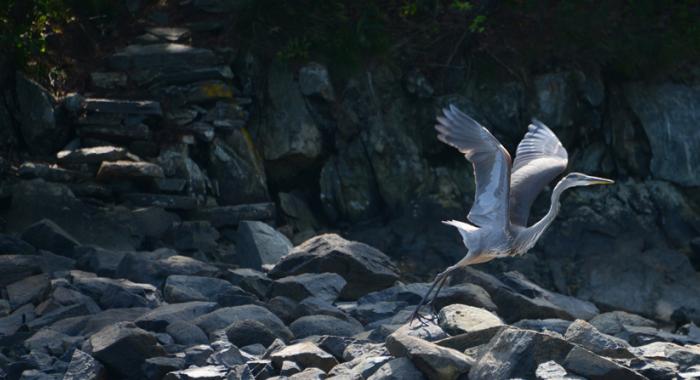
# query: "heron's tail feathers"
465, 229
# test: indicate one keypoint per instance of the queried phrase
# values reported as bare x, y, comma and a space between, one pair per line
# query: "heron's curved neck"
538, 228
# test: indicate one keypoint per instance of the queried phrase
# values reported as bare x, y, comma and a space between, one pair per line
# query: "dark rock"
64, 296
326, 286
397, 369
31, 170
110, 293
309, 374
457, 319
231, 216
186, 333
464, 341
371, 312
306, 354
157, 367
180, 288
103, 262
51, 342
115, 106
13, 322
161, 317
364, 268
257, 243
315, 81
249, 331
45, 234
434, 361
614, 322
467, 294
348, 188
10, 245
161, 56
35, 200
154, 267
668, 115
235, 166
250, 280
222, 73
585, 363
108, 80
166, 201
37, 116
324, 325
229, 356
123, 347
58, 314
31, 289
53, 264
154, 221
285, 308
16, 267
299, 215
91, 324
223, 317
515, 353
119, 132
290, 136
177, 165
128, 170
198, 235
584, 334
83, 367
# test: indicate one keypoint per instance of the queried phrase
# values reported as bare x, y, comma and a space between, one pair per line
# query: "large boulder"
669, 115
161, 317
47, 235
123, 348
154, 267
364, 268
457, 319
221, 318
38, 124
326, 286
16, 267
258, 244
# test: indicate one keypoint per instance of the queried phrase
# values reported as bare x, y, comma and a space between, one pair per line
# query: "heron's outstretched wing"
539, 159
491, 165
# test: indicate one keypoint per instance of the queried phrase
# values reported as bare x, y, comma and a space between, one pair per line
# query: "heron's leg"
439, 281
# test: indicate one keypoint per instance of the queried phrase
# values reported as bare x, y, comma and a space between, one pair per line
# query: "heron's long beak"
599, 181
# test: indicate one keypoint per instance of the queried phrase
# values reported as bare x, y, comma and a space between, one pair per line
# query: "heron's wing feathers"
539, 159
491, 165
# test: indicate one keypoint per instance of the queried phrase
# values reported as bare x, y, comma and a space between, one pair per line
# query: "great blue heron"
502, 199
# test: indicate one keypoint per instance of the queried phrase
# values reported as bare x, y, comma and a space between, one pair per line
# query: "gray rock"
161, 317
457, 319
434, 361
13, 322
186, 333
116, 132
154, 267
250, 280
123, 107
556, 99
177, 165
515, 353
93, 155
154, 221
584, 334
16, 267
110, 293
179, 288
40, 131
551, 370
315, 305
298, 214
558, 326
348, 188
306, 354
195, 235
249, 331
585, 363
31, 289
102, 262
289, 368
464, 341
309, 374
123, 347
128, 170
108, 80
371, 312
161, 56
236, 168
58, 314
51, 342
324, 325
685, 356
397, 369
91, 324
54, 264
231, 216
326, 286
291, 138
614, 322
223, 317
83, 367
257, 243
166, 201
668, 115
364, 268
32, 170
45, 234
315, 81
11, 245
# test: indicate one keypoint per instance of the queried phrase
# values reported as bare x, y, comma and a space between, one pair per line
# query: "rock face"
668, 114
364, 268
258, 243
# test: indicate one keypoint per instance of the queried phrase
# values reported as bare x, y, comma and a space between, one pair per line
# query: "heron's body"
505, 190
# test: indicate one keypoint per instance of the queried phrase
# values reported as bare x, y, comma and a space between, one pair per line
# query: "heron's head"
580, 179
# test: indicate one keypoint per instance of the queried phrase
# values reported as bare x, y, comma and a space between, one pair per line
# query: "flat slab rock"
457, 319
306, 354
93, 155
123, 169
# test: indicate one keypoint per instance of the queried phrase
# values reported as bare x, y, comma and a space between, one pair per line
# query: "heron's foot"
424, 320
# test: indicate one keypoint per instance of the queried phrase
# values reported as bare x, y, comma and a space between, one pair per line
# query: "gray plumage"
505, 190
